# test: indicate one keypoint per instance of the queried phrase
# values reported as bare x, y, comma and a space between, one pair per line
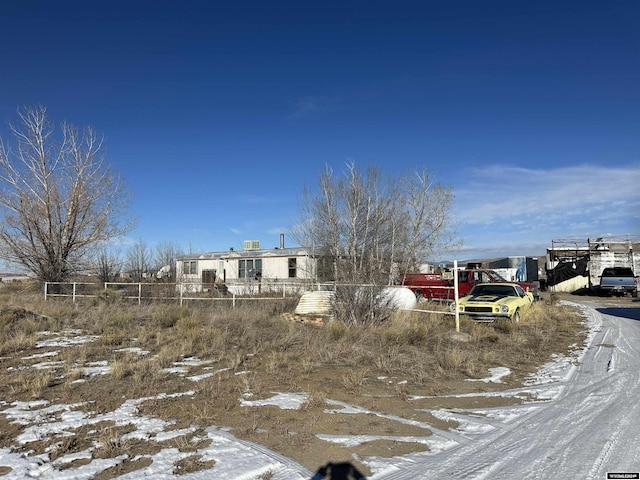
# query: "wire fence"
179, 292
231, 293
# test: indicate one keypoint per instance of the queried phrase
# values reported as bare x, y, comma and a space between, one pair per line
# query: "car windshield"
497, 277
505, 290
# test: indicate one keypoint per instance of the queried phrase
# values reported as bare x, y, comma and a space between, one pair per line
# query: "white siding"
604, 259
274, 267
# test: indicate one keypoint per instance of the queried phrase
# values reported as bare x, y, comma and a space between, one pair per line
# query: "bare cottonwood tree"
164, 255
138, 260
371, 228
424, 213
106, 264
58, 196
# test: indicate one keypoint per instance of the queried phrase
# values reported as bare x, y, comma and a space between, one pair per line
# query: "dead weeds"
221, 355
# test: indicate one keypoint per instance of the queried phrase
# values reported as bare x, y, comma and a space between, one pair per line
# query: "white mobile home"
250, 266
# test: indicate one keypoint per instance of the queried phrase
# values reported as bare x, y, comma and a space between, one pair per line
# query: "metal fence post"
73, 296
45, 290
455, 293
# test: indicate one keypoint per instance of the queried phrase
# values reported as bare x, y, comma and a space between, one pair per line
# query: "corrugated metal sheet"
315, 303
572, 285
507, 262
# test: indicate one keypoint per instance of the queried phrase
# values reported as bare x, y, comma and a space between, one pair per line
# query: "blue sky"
217, 113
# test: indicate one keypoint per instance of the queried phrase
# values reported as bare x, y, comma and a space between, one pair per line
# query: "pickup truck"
439, 286
618, 281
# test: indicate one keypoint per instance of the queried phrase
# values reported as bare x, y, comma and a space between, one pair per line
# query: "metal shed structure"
576, 264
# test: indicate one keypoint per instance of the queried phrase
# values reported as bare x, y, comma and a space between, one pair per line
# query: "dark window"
208, 276
617, 272
242, 268
293, 265
494, 289
190, 267
250, 268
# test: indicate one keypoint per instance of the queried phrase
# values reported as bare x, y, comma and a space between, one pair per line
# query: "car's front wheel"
515, 318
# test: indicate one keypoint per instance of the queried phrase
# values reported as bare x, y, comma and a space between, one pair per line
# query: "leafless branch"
59, 197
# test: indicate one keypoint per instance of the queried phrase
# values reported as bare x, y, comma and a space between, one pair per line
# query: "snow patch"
355, 440
496, 375
66, 338
285, 401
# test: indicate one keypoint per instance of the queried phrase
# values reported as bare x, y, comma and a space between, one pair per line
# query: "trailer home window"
293, 264
251, 269
190, 268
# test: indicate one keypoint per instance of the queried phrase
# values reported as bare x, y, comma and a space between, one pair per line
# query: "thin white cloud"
518, 211
310, 105
507, 194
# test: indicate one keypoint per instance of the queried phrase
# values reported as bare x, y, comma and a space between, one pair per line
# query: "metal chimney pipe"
281, 241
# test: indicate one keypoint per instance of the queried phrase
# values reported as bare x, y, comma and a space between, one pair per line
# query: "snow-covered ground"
581, 420
588, 427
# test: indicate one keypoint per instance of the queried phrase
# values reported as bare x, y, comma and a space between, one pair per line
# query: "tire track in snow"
579, 433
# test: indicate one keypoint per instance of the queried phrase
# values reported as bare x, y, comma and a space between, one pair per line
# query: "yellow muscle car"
495, 301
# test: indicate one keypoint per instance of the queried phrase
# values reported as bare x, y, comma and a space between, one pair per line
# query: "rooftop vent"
252, 244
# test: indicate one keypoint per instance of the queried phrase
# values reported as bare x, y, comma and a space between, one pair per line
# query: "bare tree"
138, 261
425, 216
106, 264
320, 228
371, 228
58, 196
164, 260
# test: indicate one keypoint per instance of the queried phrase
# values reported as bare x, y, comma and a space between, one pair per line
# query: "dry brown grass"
111, 441
192, 463
417, 345
250, 352
354, 380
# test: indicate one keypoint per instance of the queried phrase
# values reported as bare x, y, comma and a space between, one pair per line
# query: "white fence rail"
181, 292
230, 293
